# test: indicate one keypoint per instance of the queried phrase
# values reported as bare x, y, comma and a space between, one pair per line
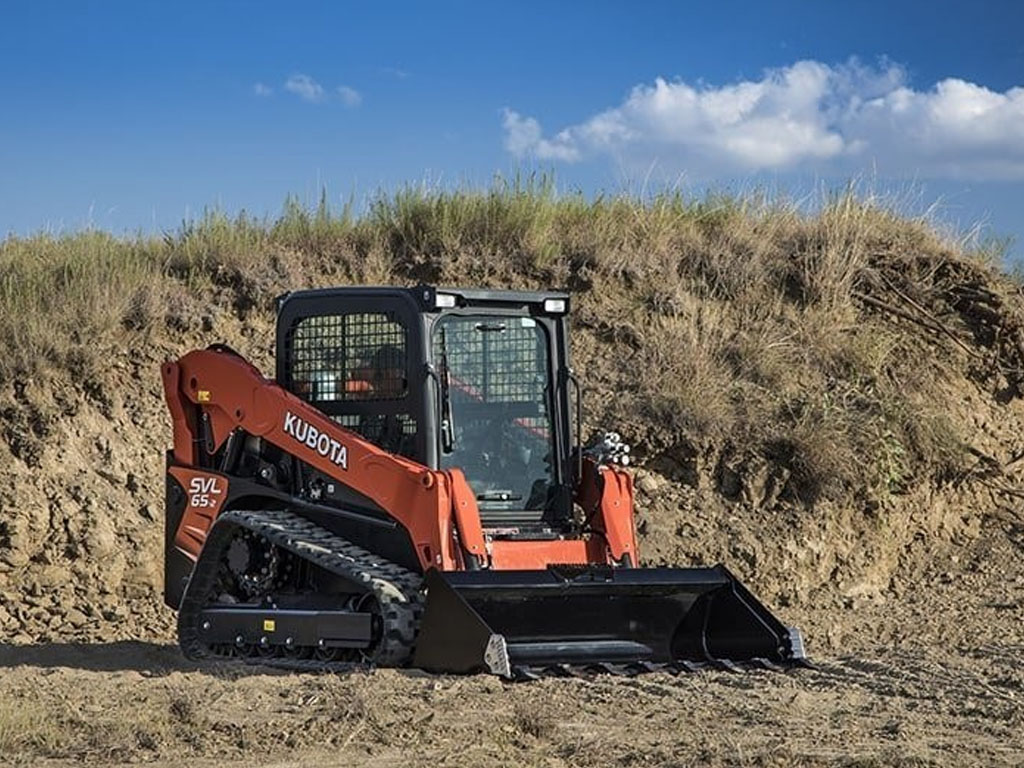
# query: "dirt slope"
865, 482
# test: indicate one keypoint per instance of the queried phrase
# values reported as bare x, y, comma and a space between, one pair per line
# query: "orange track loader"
411, 489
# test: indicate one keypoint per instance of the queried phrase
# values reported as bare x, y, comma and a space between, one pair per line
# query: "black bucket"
500, 621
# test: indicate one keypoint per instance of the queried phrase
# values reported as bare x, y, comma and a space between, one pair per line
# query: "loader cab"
473, 379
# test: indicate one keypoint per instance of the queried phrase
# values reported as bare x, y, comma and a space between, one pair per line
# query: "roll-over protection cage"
332, 342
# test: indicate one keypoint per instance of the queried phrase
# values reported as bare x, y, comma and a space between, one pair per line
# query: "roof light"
554, 306
444, 300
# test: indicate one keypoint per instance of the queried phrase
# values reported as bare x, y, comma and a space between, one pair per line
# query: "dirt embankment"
851, 449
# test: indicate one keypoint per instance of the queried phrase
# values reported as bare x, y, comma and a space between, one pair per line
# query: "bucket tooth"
496, 656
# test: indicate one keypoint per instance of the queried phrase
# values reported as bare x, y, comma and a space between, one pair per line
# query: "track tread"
397, 590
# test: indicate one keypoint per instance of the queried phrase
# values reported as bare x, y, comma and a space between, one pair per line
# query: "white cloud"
809, 116
261, 89
305, 87
350, 97
308, 89
523, 136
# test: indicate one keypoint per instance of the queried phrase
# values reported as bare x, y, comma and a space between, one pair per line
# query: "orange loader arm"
232, 394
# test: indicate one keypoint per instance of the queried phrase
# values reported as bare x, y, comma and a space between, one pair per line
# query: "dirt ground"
912, 606
889, 708
932, 679
914, 619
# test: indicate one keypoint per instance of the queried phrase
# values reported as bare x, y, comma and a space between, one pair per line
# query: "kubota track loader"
411, 489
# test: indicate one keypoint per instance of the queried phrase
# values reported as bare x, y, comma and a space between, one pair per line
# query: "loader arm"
213, 392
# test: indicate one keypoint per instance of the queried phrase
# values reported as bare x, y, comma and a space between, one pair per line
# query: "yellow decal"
269, 625
203, 395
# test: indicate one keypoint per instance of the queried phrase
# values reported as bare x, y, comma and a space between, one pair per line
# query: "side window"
349, 357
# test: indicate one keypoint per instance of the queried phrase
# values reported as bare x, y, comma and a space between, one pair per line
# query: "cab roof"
425, 296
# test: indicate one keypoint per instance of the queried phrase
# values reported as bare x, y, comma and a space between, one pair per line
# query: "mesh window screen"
395, 433
499, 361
502, 438
354, 357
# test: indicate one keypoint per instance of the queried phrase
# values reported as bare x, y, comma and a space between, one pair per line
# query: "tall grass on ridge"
699, 323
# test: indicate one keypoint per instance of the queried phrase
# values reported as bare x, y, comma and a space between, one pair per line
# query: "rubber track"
397, 590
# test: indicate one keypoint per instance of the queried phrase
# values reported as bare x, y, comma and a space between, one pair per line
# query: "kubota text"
313, 438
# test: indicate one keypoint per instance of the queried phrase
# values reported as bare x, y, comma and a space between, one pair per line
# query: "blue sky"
131, 116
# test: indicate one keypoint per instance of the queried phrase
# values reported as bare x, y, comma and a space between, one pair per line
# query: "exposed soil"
912, 604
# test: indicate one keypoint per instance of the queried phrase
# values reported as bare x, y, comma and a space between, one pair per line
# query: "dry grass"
26, 729
722, 324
